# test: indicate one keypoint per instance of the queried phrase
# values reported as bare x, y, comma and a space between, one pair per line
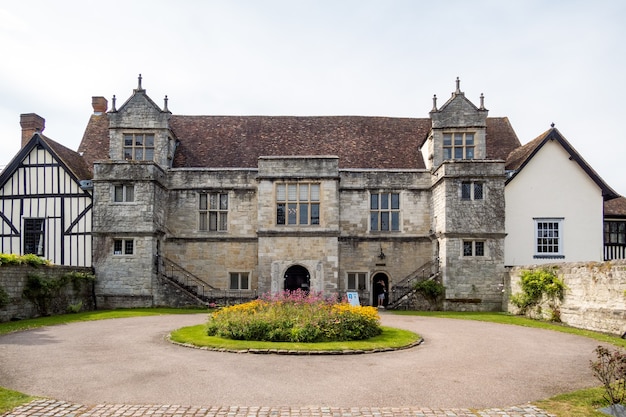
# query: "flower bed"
295, 316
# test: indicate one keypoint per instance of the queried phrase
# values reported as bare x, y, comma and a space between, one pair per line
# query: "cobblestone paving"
53, 408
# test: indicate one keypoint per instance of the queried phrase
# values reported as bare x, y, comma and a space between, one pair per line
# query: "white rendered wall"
552, 185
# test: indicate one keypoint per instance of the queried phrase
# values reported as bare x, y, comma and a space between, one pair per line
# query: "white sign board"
353, 299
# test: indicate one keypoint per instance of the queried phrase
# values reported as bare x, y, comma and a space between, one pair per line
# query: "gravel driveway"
460, 364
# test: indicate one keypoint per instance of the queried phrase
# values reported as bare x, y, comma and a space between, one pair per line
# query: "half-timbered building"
615, 229
45, 200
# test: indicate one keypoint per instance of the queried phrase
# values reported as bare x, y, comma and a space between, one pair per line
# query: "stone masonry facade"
357, 223
14, 280
595, 294
465, 221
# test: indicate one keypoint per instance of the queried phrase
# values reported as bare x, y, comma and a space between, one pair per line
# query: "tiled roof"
238, 141
95, 143
359, 142
615, 207
501, 138
72, 160
519, 157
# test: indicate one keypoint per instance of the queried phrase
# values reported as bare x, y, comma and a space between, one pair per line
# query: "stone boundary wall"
595, 297
13, 279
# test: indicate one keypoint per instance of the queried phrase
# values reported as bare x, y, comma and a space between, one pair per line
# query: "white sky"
536, 62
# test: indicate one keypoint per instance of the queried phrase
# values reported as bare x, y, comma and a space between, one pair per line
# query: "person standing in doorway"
381, 294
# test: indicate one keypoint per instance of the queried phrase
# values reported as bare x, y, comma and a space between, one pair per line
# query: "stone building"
172, 209
330, 204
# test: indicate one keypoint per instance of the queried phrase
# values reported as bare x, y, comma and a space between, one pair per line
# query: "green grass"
15, 326
11, 399
505, 318
390, 338
583, 403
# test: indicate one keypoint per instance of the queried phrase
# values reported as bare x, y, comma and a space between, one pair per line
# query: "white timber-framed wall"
37, 189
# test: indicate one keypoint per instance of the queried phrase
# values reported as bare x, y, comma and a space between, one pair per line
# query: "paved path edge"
257, 351
54, 408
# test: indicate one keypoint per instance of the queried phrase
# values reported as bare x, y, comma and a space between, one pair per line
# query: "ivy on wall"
49, 295
539, 285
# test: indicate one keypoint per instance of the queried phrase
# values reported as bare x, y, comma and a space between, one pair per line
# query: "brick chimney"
31, 123
100, 105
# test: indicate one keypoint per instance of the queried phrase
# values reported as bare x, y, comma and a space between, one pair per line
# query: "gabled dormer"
139, 130
458, 130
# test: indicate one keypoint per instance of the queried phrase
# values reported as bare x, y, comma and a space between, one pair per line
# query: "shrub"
34, 260
9, 259
75, 308
41, 292
610, 369
538, 285
28, 259
78, 279
430, 289
47, 293
295, 317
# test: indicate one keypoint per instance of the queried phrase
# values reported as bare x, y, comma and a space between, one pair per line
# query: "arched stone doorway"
378, 288
297, 278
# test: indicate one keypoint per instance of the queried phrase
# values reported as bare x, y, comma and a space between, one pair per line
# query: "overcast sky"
536, 62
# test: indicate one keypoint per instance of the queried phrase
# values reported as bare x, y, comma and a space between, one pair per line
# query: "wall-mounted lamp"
381, 255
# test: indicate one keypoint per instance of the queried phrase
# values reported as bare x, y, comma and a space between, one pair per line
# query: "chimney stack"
100, 105
31, 123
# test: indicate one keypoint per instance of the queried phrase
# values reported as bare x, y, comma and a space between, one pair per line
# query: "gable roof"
238, 141
73, 162
139, 95
458, 97
520, 157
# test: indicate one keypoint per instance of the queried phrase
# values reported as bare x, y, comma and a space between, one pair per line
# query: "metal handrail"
197, 286
180, 275
399, 291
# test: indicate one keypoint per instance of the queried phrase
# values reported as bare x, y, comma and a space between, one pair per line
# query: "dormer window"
139, 146
458, 145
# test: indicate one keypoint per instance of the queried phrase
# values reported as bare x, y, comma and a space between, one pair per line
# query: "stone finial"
165, 109
139, 83
434, 102
113, 109
482, 101
458, 86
